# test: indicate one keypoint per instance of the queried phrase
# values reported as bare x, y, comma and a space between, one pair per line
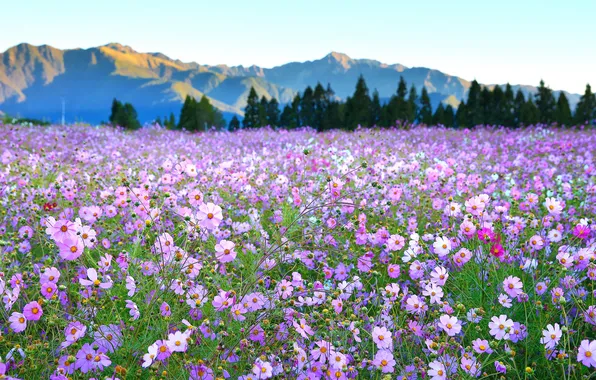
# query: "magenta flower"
224, 251
33, 311
587, 353
384, 360
450, 325
71, 248
48, 289
94, 281
209, 215
512, 286
382, 337
62, 230
581, 231
18, 322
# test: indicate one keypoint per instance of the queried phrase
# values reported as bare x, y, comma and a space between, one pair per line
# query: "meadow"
426, 253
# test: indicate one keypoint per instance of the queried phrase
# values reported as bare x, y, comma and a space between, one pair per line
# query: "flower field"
427, 253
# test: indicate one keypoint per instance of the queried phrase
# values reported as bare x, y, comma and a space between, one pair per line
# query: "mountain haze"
35, 79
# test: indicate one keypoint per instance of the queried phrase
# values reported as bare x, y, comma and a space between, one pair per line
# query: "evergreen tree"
273, 113
263, 105
158, 121
403, 110
358, 107
234, 124
461, 116
508, 117
486, 106
198, 116
251, 111
529, 113
412, 114
375, 109
288, 117
496, 110
320, 103
473, 105
439, 116
545, 102
426, 111
585, 112
518, 105
562, 111
124, 115
307, 108
171, 123
449, 118
186, 120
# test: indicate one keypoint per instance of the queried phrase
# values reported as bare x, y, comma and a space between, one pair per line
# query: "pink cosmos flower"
62, 230
94, 281
437, 371
71, 248
587, 353
48, 289
33, 311
177, 342
500, 327
450, 325
481, 346
382, 337
195, 198
262, 369
18, 322
393, 270
303, 329
512, 286
50, 275
384, 360
209, 215
224, 251
551, 336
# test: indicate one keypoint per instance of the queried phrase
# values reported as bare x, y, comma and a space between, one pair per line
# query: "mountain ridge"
35, 79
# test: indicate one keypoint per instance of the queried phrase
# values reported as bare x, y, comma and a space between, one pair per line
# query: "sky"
519, 41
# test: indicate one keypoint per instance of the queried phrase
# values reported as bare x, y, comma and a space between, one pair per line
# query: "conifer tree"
449, 119
508, 118
426, 112
375, 109
562, 111
473, 105
585, 112
358, 107
529, 113
461, 116
518, 105
439, 116
273, 112
412, 105
263, 105
251, 111
545, 102
234, 124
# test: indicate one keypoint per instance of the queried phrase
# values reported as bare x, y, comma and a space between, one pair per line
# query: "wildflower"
177, 342
18, 322
500, 326
553, 206
551, 336
33, 311
385, 361
225, 251
587, 353
71, 248
303, 329
512, 286
94, 281
209, 215
382, 337
437, 371
481, 346
450, 325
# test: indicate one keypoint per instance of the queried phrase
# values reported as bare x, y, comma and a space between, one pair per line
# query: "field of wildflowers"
380, 254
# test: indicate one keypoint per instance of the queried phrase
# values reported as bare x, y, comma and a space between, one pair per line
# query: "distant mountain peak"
119, 47
343, 59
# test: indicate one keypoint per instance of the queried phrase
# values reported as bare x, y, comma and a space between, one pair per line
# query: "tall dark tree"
234, 124
251, 111
412, 105
426, 111
273, 112
171, 123
199, 116
375, 109
518, 105
585, 112
449, 118
187, 117
263, 111
461, 116
439, 116
124, 115
307, 107
473, 104
486, 106
562, 111
158, 121
496, 110
358, 107
508, 118
545, 102
529, 114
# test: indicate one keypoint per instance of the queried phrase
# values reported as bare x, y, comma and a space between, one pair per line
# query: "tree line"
320, 109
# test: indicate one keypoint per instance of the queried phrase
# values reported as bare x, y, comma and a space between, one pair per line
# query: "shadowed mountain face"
34, 80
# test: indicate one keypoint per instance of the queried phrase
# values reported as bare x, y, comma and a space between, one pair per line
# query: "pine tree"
486, 105
508, 118
124, 115
402, 104
412, 114
473, 106
186, 120
562, 111
426, 111
171, 123
358, 107
375, 109
585, 112
234, 124
496, 109
251, 111
158, 121
116, 108
461, 116
518, 105
545, 102
273, 113
449, 118
263, 105
307, 107
439, 116
529, 114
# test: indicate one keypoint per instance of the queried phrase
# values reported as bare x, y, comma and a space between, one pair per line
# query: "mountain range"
36, 80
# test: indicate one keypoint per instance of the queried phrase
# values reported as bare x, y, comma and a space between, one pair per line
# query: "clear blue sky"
494, 41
